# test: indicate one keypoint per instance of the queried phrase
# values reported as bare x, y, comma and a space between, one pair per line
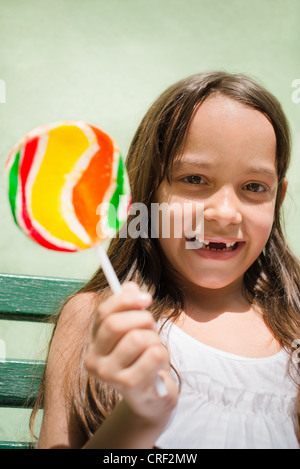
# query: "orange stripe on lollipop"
91, 189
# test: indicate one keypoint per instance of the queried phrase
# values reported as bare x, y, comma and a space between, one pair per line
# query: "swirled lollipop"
68, 187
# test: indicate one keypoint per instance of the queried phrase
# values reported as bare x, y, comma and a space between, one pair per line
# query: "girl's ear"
283, 190
282, 196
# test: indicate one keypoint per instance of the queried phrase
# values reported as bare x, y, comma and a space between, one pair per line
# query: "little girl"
217, 322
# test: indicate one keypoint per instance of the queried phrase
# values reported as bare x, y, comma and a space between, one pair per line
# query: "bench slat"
19, 382
15, 445
28, 298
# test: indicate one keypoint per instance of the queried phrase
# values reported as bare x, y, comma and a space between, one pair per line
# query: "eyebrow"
262, 170
200, 164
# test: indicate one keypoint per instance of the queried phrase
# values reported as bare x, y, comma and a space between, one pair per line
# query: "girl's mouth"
215, 250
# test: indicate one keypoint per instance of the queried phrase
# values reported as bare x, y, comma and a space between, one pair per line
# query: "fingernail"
130, 286
144, 298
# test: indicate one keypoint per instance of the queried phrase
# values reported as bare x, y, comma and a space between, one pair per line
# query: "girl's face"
229, 166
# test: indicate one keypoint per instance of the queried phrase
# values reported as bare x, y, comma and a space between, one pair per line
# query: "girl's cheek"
260, 223
177, 218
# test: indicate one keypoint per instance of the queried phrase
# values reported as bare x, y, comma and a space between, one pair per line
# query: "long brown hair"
272, 283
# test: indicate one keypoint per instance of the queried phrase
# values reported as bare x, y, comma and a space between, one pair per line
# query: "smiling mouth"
213, 246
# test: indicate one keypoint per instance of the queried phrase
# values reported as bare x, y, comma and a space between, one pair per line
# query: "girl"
224, 315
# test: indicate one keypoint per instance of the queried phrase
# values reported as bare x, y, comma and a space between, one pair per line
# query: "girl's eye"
255, 187
193, 179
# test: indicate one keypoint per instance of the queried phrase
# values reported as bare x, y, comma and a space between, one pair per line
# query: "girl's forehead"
224, 129
223, 126
220, 114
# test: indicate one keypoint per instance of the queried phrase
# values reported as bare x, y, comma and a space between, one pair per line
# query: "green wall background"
105, 62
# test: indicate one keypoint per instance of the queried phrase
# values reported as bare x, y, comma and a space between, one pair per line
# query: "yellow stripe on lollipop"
65, 146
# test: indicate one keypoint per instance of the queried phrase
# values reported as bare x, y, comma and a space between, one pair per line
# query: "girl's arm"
59, 427
125, 430
124, 350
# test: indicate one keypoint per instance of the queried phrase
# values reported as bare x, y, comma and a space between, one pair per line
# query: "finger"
143, 371
131, 298
131, 347
117, 325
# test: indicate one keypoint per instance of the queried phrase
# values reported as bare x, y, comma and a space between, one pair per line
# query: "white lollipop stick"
115, 285
108, 270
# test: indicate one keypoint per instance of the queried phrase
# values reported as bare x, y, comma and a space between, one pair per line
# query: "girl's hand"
125, 351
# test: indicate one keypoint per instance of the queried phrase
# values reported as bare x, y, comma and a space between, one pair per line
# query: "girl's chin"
210, 282
213, 285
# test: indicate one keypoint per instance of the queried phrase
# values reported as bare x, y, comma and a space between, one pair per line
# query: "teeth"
195, 242
229, 247
205, 244
230, 244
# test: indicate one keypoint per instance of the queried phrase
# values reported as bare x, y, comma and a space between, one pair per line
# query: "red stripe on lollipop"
25, 166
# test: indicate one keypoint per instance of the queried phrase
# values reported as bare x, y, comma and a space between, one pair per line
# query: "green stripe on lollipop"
112, 217
13, 185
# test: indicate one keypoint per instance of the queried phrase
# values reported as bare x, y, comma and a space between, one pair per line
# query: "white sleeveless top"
228, 401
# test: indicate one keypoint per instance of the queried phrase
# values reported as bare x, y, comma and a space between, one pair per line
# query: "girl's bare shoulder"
72, 329
79, 308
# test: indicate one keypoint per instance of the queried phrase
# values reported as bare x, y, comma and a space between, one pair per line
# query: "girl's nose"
223, 207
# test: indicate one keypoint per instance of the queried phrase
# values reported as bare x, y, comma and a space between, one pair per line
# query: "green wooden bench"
27, 298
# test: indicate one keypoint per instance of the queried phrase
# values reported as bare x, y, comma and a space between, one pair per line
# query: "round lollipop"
58, 176
68, 188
